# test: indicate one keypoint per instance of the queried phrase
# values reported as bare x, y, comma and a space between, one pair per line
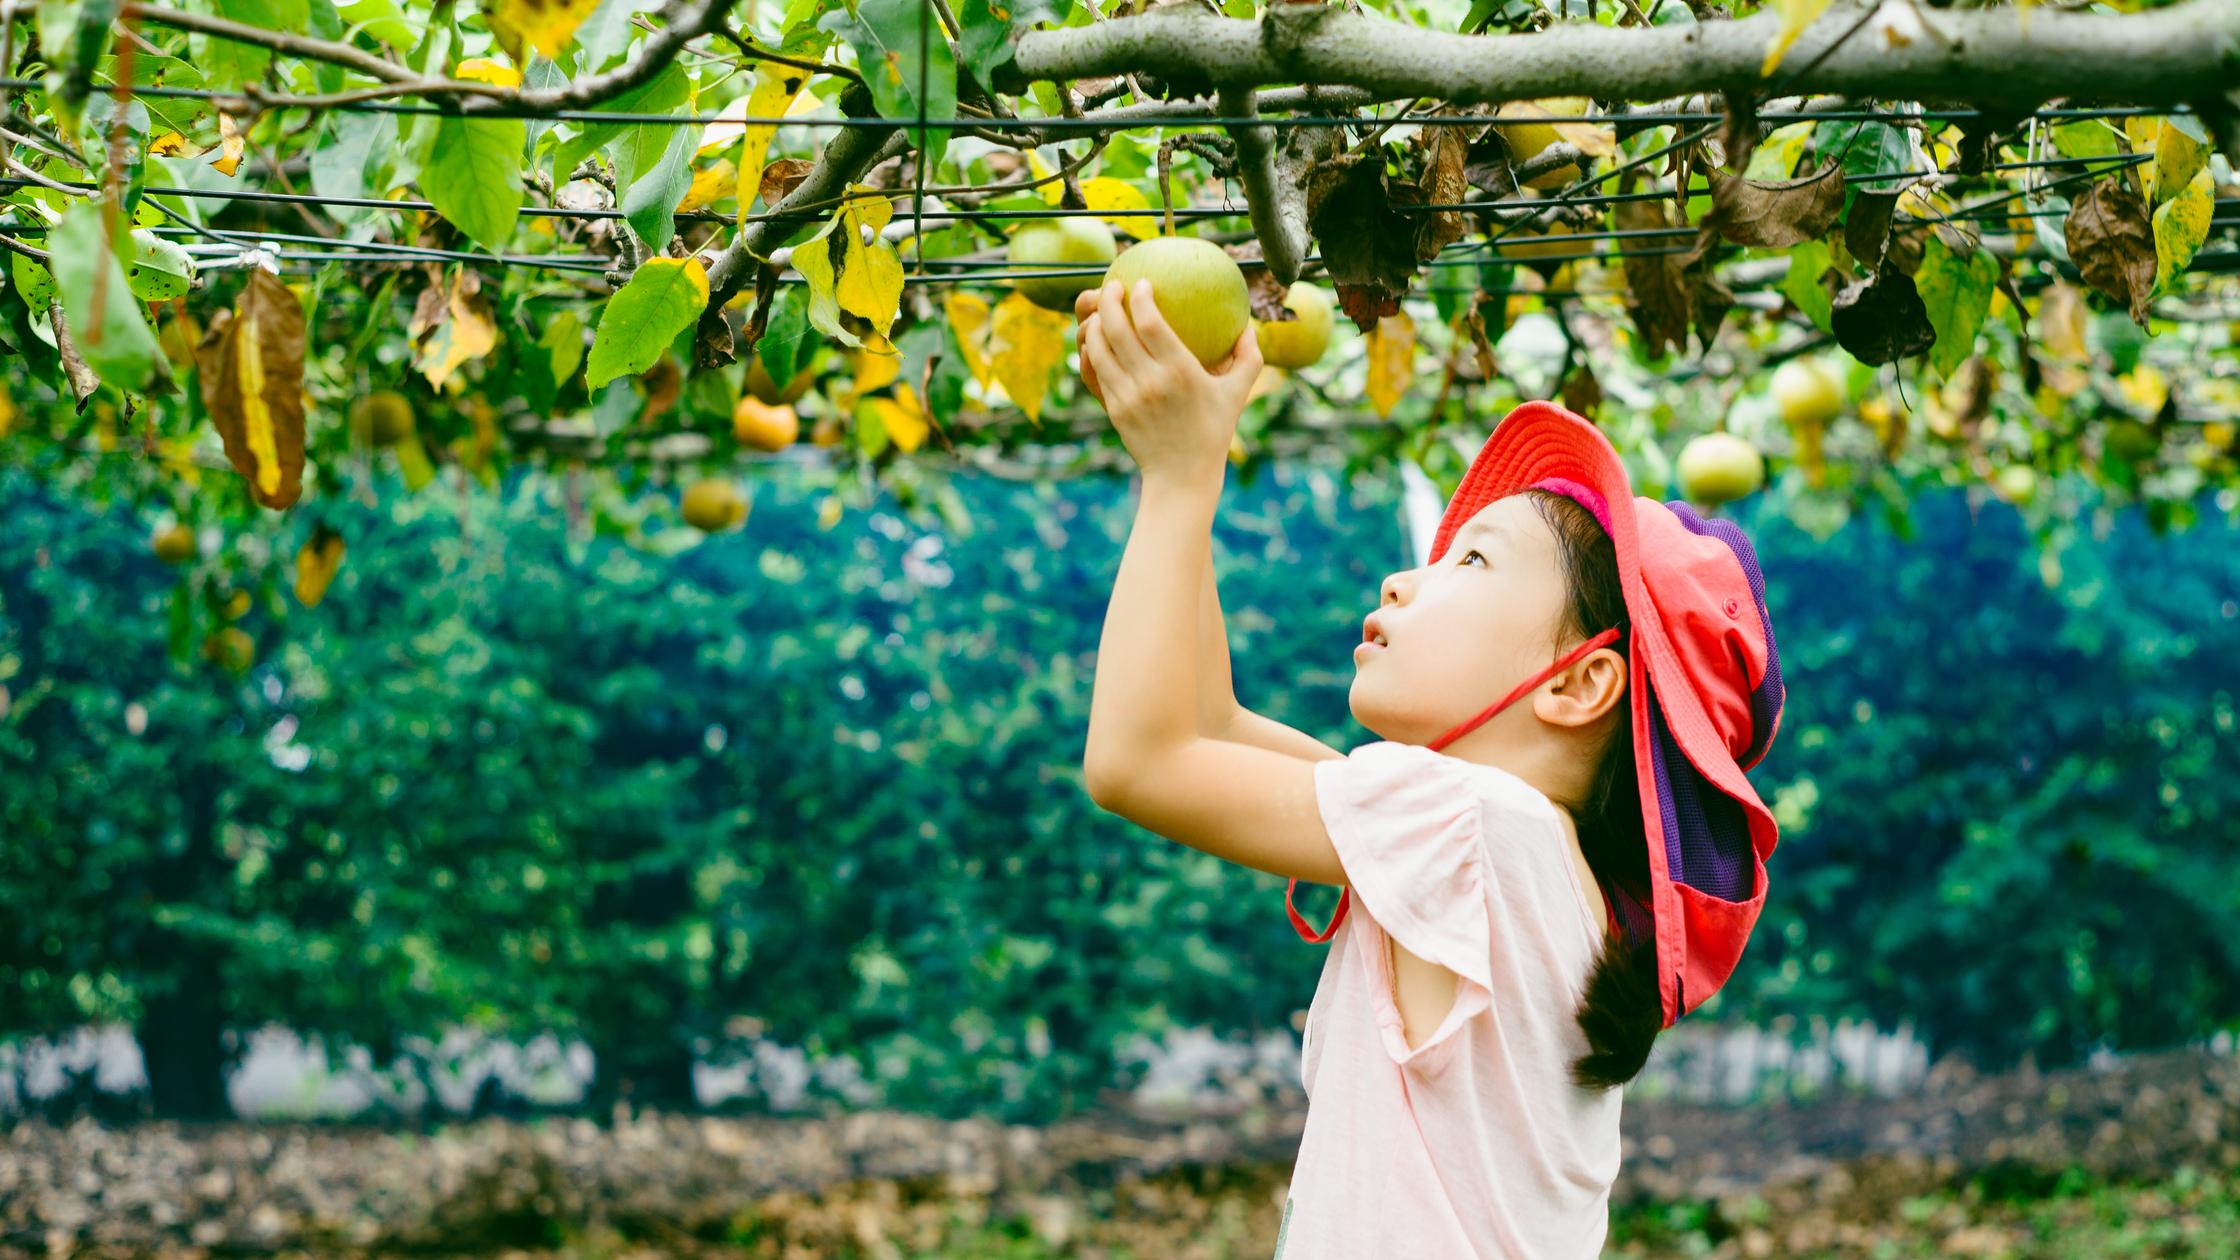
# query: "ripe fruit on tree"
714, 504
1809, 392
1080, 241
1301, 342
1527, 139
173, 544
1720, 467
230, 648
2016, 483
766, 390
1199, 290
383, 417
765, 426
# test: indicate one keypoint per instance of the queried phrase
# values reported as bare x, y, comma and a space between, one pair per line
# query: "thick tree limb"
852, 152
1279, 206
2186, 52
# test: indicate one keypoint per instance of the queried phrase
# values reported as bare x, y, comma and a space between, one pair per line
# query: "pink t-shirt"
1474, 1144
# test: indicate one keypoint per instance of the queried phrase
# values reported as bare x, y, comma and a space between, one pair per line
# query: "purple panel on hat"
1706, 837
1766, 698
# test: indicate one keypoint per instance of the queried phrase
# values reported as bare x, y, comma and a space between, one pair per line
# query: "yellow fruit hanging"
765, 390
173, 544
1527, 139
714, 505
1301, 342
382, 418
763, 425
1718, 467
230, 648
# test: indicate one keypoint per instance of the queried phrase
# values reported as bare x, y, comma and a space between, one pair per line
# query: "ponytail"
1621, 1013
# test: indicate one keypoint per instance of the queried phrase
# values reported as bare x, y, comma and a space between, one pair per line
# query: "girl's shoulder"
1510, 797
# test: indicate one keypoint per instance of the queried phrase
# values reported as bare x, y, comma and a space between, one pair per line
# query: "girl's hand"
1173, 414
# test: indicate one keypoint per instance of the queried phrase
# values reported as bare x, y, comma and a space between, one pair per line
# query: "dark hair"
1621, 1013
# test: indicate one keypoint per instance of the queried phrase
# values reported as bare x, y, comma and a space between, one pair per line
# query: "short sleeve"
1406, 822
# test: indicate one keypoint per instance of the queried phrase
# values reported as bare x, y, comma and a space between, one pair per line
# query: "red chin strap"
1566, 661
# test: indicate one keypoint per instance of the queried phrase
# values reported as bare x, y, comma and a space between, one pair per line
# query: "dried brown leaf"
1757, 212
2112, 243
1657, 288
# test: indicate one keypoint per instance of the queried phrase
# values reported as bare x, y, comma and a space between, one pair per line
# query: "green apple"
1082, 241
1809, 392
1297, 343
2016, 483
1199, 289
1718, 467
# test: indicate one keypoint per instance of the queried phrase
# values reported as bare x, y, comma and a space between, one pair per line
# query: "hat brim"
1707, 833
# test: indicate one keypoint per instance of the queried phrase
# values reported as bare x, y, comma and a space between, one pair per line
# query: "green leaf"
666, 94
889, 38
989, 30
2085, 138
780, 347
664, 296
231, 63
1957, 290
340, 167
650, 200
105, 321
1807, 262
382, 19
160, 268
471, 171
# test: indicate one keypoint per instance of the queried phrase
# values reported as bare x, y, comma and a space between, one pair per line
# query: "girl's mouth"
1366, 649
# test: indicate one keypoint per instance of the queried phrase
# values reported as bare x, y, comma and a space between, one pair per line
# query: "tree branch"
279, 41
851, 153
1279, 206
687, 21
2189, 51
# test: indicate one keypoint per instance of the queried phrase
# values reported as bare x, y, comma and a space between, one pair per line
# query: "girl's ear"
1593, 686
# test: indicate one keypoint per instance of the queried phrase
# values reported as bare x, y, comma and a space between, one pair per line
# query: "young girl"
1546, 882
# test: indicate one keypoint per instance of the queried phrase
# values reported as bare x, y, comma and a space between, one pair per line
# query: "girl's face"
1460, 633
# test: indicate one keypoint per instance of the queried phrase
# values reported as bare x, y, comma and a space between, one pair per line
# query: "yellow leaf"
251, 368
169, 144
1796, 15
968, 319
710, 186
2178, 161
2062, 320
1392, 356
1103, 193
489, 70
229, 145
547, 24
874, 371
903, 418
7, 411
2144, 388
316, 562
451, 324
2181, 224
1027, 344
855, 289
776, 89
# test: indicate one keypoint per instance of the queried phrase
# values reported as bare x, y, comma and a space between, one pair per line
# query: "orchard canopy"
263, 252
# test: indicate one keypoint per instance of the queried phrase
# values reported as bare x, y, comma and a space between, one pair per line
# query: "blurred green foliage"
823, 786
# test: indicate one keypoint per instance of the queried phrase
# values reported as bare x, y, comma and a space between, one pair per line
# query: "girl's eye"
1468, 554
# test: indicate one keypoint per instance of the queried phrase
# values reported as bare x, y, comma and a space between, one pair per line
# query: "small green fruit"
1720, 467
1082, 241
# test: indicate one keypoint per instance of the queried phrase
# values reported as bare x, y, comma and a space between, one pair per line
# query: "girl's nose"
1393, 589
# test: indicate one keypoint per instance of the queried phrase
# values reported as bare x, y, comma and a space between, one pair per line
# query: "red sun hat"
1705, 691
